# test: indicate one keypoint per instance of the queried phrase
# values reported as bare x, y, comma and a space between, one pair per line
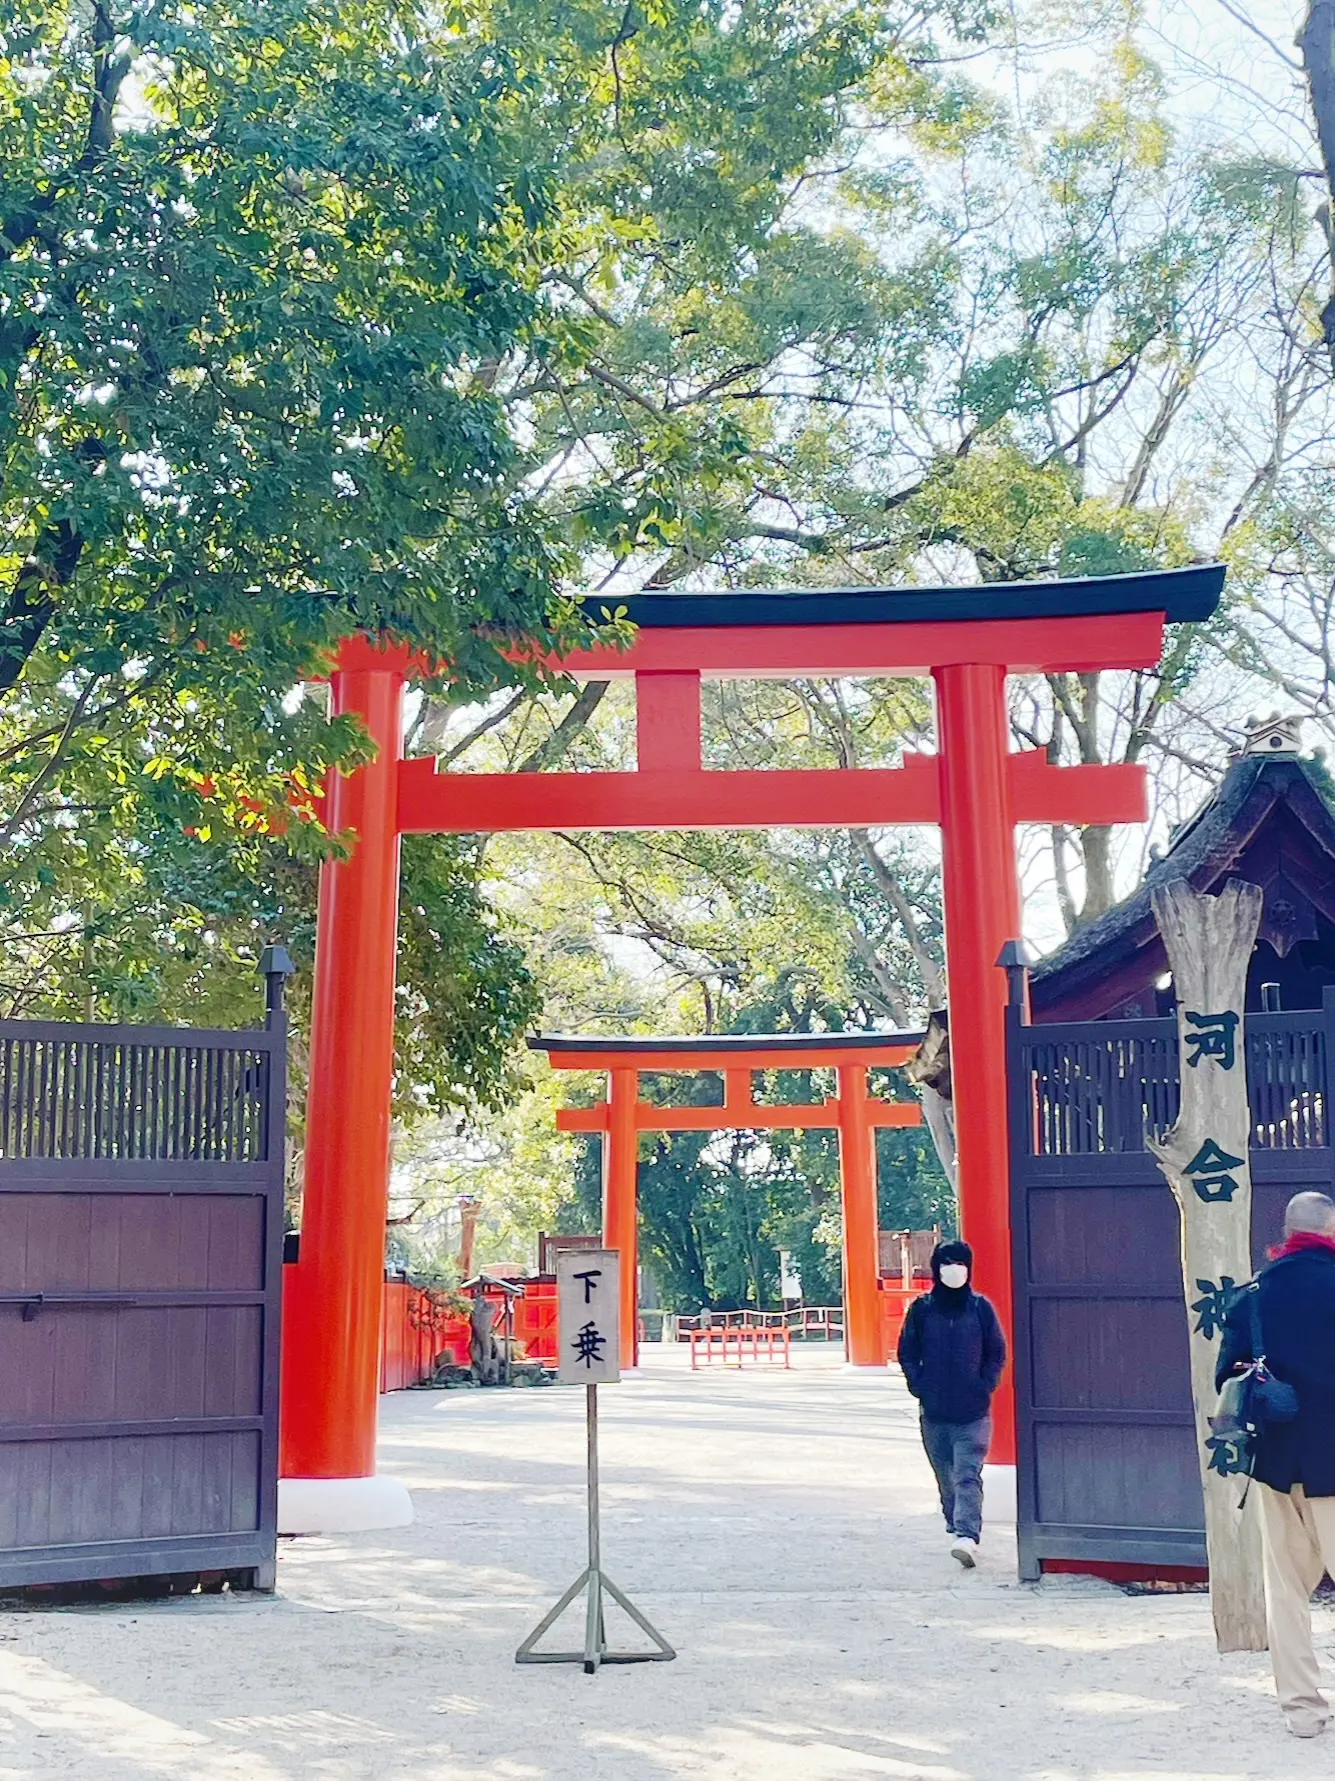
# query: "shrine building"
1271, 822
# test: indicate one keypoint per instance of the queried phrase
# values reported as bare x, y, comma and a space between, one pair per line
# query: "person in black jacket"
1295, 1461
952, 1351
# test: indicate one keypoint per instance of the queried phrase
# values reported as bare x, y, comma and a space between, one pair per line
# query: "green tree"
318, 319
253, 261
1125, 369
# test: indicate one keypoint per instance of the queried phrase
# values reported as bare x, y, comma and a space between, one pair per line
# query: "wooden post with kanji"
588, 1324
1209, 943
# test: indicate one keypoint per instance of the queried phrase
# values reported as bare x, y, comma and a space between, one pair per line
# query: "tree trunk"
1209, 942
1096, 843
929, 1070
484, 1351
1316, 41
939, 1113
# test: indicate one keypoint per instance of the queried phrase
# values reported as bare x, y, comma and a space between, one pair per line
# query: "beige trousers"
1299, 1543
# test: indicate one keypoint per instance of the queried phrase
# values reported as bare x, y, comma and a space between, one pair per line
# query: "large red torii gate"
966, 639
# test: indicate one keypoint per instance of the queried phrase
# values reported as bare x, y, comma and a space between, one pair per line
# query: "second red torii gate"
966, 639
853, 1113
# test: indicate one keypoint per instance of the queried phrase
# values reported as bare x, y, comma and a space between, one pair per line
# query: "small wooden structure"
908, 1254
492, 1356
141, 1242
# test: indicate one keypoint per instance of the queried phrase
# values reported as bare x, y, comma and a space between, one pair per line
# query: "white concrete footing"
342, 1505
999, 1494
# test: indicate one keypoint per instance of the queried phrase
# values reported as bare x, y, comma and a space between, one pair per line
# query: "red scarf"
1299, 1241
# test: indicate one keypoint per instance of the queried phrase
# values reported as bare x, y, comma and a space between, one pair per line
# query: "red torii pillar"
621, 1201
864, 1332
334, 1295
982, 907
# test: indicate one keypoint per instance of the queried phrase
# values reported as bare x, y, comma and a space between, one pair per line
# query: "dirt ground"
779, 1528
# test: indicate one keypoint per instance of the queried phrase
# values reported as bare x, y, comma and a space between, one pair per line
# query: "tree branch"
9, 829
31, 604
109, 72
893, 892
1316, 42
571, 725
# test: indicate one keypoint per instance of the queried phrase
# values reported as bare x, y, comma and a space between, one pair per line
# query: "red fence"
895, 1301
535, 1318
408, 1342
741, 1337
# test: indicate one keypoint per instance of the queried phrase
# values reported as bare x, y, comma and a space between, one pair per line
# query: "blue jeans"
957, 1451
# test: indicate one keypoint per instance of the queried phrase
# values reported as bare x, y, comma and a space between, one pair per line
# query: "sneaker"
1306, 1725
965, 1550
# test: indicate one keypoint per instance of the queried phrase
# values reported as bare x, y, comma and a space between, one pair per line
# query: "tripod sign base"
595, 1652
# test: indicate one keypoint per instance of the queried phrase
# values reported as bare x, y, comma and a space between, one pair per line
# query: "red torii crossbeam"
967, 639
854, 1114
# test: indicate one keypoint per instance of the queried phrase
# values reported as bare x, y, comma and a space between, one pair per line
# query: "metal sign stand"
596, 1581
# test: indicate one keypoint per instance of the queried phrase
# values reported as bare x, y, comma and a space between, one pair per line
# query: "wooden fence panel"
141, 1190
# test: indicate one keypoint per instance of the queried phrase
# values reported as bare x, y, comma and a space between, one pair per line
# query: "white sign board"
588, 1316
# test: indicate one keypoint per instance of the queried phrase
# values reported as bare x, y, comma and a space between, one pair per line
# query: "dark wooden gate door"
141, 1228
1107, 1450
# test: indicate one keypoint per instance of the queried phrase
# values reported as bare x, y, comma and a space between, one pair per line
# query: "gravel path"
779, 1528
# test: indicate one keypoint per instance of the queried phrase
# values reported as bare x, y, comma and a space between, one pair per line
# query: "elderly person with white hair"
1295, 1461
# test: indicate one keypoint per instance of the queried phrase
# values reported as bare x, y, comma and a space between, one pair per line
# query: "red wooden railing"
742, 1338
895, 1301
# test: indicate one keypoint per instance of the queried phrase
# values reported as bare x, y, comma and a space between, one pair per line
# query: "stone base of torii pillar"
342, 1505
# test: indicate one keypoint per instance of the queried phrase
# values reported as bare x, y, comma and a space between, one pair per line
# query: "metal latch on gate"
31, 1303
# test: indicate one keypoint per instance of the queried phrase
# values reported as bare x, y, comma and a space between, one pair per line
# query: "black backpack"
1251, 1399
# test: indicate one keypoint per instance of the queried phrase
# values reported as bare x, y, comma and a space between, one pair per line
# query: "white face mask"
954, 1274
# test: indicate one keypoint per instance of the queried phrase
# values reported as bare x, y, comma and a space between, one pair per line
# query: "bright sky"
1233, 69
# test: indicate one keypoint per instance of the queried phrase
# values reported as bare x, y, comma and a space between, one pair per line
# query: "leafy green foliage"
976, 340
254, 262
241, 333
400, 318
466, 995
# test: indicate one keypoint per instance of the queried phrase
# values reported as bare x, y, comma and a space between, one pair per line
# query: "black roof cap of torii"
1183, 595
723, 1043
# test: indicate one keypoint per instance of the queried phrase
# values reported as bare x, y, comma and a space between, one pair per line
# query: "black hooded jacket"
951, 1348
1297, 1307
